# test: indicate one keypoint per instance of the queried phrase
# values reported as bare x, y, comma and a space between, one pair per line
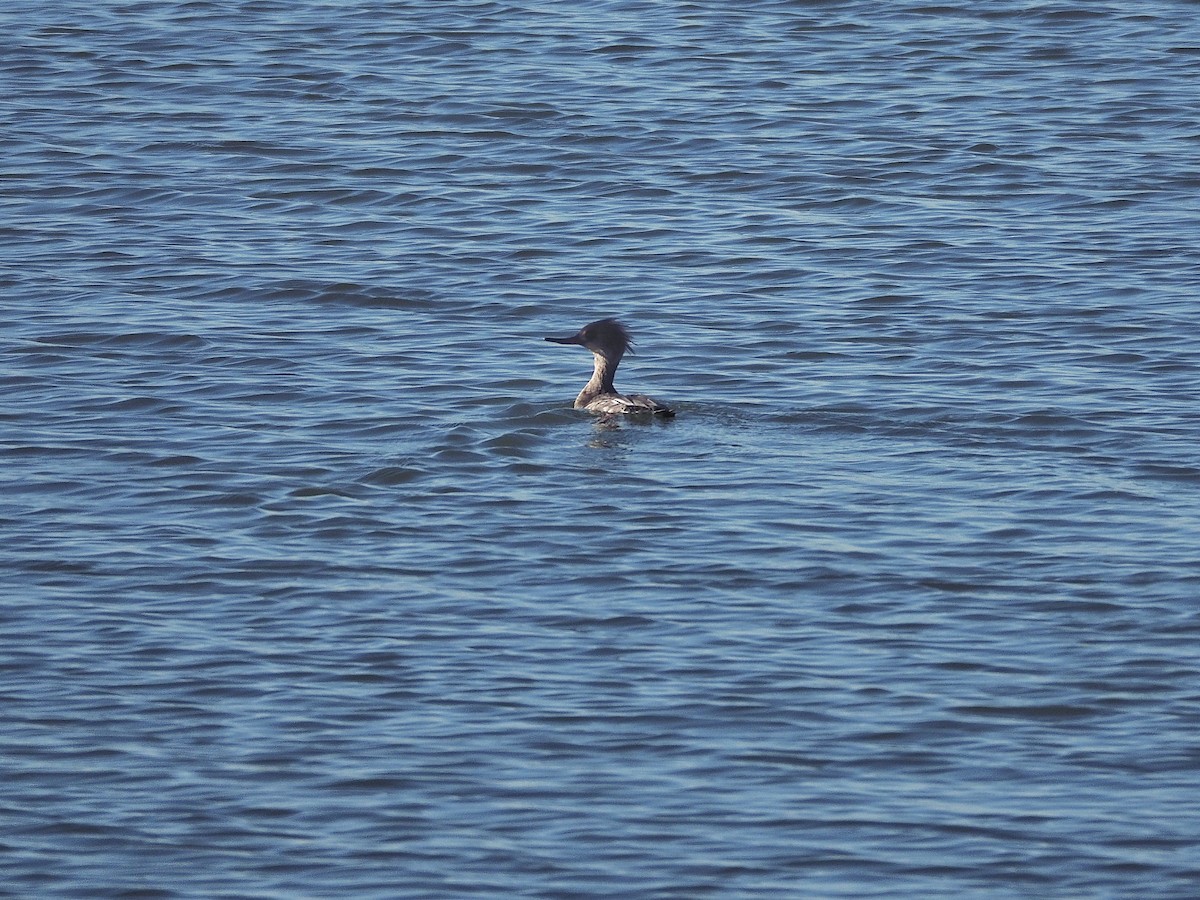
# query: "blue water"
314, 585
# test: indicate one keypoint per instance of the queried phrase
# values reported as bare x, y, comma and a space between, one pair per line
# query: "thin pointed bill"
573, 339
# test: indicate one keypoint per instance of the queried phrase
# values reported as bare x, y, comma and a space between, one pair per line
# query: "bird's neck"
601, 382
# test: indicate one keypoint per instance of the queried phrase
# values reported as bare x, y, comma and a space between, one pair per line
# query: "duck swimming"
608, 340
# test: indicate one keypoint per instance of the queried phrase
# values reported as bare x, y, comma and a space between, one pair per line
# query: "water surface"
315, 585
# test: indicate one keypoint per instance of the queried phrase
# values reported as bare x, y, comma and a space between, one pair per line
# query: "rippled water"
314, 584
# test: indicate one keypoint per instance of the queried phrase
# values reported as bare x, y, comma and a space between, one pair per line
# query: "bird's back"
619, 404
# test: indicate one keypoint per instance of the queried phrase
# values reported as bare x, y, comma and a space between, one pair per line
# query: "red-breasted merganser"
608, 340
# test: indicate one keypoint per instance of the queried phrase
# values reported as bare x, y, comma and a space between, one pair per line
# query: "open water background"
315, 586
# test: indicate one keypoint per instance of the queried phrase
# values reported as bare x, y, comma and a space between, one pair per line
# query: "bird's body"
608, 340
